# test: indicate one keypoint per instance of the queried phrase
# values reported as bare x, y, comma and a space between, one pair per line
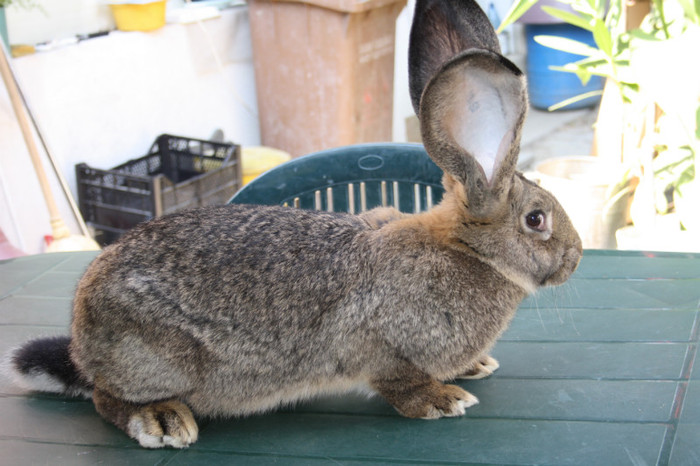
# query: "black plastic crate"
177, 173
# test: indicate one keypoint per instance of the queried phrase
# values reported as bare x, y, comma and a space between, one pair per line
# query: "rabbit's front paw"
168, 423
481, 369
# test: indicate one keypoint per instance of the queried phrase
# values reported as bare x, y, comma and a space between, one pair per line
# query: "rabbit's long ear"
441, 30
471, 115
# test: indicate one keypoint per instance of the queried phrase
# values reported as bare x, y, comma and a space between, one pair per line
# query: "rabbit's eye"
536, 220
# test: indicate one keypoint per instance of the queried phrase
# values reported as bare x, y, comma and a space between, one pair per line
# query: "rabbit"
233, 310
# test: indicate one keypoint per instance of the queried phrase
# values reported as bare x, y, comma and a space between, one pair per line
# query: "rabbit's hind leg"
421, 396
153, 425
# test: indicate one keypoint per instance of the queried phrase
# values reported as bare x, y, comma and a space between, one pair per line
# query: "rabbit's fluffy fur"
233, 310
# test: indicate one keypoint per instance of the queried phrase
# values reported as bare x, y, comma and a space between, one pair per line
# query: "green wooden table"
598, 371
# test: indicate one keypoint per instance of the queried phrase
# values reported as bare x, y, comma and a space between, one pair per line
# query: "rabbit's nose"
573, 255
567, 265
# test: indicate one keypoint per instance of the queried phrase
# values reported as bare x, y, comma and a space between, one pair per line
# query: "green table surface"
597, 371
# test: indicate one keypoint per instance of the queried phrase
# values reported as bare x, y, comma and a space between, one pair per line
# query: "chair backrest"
351, 179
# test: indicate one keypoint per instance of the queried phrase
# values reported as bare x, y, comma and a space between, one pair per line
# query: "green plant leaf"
613, 18
567, 45
583, 7
594, 66
671, 160
643, 35
688, 176
581, 20
593, 62
583, 73
517, 9
688, 8
602, 7
659, 6
629, 91
602, 38
575, 99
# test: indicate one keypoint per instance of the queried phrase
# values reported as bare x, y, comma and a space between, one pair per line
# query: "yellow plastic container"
139, 16
257, 160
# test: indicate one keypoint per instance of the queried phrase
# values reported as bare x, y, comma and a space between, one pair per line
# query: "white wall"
103, 101
402, 100
52, 19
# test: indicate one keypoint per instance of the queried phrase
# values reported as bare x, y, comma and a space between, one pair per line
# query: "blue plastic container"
548, 87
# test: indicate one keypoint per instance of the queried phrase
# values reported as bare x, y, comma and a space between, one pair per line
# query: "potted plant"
651, 100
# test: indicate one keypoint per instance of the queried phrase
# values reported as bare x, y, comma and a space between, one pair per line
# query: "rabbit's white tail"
44, 365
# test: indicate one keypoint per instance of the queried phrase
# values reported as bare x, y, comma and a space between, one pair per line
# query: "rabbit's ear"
441, 30
471, 116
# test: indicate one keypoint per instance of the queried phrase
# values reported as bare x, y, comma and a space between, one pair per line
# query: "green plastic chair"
351, 179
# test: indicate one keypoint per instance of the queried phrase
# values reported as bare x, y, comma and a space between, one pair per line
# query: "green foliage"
651, 66
610, 57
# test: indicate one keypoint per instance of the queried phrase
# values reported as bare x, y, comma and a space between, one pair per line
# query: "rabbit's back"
213, 296
220, 261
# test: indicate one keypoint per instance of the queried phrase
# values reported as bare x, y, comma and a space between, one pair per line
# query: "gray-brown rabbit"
233, 310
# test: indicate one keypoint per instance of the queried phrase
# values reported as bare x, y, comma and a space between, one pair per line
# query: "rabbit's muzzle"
568, 264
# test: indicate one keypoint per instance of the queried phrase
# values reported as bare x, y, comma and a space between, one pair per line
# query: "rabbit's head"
472, 102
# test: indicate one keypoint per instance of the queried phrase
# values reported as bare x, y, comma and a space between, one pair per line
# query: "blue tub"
548, 87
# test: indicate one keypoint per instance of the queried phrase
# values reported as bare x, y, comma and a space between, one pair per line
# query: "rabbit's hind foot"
167, 423
154, 425
429, 400
480, 369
